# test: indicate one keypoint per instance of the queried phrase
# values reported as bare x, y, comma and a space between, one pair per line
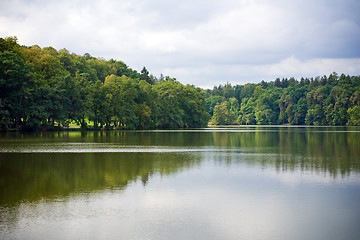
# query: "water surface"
215, 183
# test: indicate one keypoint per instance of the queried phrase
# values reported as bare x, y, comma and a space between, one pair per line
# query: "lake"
236, 183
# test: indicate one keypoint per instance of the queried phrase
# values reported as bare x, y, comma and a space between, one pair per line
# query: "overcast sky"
200, 42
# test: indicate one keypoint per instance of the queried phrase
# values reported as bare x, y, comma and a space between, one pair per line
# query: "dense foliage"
45, 88
332, 100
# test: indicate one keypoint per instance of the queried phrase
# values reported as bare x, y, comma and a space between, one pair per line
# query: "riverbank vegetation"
328, 100
42, 88
45, 88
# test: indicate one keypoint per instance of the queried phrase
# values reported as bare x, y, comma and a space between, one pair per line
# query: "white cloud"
292, 66
207, 76
162, 42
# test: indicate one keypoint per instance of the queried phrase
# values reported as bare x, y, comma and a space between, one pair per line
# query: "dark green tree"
15, 79
145, 76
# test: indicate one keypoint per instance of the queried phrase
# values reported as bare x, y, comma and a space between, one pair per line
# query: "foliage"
323, 100
42, 88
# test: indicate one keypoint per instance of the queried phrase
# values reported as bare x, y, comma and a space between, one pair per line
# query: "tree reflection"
326, 150
31, 177
35, 176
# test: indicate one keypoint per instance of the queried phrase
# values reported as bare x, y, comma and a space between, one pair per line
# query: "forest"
329, 100
48, 89
42, 88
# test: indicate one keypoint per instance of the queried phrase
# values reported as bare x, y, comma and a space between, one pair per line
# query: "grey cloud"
178, 14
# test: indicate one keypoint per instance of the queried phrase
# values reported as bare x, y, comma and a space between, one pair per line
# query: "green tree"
233, 109
285, 105
247, 111
143, 112
121, 95
194, 107
211, 102
81, 99
148, 105
145, 76
101, 67
354, 116
354, 110
300, 110
68, 62
221, 115
266, 108
99, 107
316, 101
170, 96
15, 78
228, 91
336, 112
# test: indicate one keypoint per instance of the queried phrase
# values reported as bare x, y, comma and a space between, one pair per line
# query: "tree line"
42, 88
327, 100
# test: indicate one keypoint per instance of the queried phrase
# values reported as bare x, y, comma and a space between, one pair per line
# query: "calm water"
234, 183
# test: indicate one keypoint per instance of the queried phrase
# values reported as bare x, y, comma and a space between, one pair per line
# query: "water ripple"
107, 148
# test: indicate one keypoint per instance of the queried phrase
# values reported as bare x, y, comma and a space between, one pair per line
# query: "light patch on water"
108, 148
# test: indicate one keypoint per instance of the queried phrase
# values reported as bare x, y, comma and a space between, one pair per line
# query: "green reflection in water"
335, 151
33, 176
29, 177
203, 182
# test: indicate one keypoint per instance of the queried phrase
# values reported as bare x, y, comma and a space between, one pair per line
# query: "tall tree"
145, 76
15, 78
221, 115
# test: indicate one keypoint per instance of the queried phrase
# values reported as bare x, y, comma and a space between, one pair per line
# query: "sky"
204, 43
